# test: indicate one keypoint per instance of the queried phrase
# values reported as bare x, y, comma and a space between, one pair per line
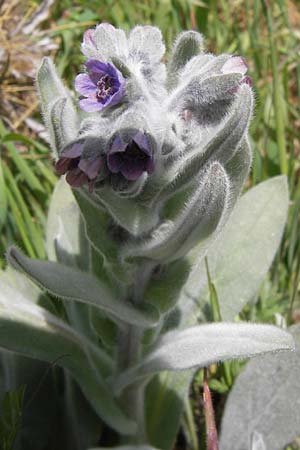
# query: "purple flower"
103, 85
237, 64
130, 155
80, 170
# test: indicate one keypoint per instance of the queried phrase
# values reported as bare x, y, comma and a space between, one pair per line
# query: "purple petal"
76, 177
117, 97
84, 85
73, 150
235, 64
142, 141
118, 145
93, 65
132, 172
115, 162
62, 165
91, 166
247, 80
113, 71
90, 105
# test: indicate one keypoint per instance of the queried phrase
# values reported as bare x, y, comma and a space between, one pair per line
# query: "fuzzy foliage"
155, 158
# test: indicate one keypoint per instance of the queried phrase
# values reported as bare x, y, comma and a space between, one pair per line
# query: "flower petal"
110, 41
91, 166
73, 150
88, 37
84, 85
114, 162
235, 64
93, 65
118, 145
90, 105
132, 172
62, 165
76, 177
142, 141
146, 40
117, 97
247, 80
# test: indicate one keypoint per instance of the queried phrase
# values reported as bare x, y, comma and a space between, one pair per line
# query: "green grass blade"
31, 230
278, 101
21, 164
3, 198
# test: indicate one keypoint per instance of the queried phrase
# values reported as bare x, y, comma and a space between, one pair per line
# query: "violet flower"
80, 170
103, 85
130, 156
237, 64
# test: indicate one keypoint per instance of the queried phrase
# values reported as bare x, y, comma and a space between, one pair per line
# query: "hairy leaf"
204, 65
187, 45
30, 330
264, 401
196, 223
203, 345
73, 285
65, 238
208, 99
98, 228
66, 243
249, 241
64, 123
164, 287
221, 147
54, 94
136, 219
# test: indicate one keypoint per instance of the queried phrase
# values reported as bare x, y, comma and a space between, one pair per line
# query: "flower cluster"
129, 155
143, 120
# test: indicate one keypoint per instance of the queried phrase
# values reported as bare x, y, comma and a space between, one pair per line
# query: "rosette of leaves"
155, 158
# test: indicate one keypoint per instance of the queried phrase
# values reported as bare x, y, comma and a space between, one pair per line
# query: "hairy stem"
132, 398
129, 353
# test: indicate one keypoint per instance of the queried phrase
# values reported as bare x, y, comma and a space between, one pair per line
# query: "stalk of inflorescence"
129, 353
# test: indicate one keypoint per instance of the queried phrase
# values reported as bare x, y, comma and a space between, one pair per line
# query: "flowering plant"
155, 158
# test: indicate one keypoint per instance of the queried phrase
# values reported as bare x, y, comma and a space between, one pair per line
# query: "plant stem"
129, 353
132, 398
211, 429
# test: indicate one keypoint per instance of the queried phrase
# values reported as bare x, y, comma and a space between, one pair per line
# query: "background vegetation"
265, 33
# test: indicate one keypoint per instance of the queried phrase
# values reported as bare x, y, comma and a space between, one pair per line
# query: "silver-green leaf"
265, 401
203, 345
74, 285
249, 242
196, 223
30, 330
